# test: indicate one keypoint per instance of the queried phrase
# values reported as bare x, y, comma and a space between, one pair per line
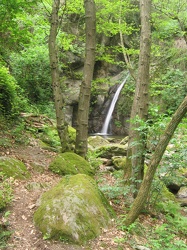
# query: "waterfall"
104, 130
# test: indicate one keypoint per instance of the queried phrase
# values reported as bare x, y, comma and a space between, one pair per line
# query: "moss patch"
11, 167
70, 164
73, 211
119, 162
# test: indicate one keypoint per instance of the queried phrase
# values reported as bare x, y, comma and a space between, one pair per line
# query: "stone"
113, 149
69, 163
182, 193
119, 162
11, 167
75, 210
97, 141
138, 247
124, 141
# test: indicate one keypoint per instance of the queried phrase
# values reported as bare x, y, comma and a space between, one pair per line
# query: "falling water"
104, 130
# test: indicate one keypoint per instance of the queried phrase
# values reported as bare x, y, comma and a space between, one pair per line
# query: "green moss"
69, 164
97, 141
72, 134
119, 162
6, 191
13, 168
111, 150
74, 210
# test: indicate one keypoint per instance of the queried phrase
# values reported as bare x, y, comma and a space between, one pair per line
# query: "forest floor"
26, 194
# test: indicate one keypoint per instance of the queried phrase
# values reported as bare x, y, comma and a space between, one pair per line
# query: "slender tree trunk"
141, 198
59, 98
139, 112
84, 98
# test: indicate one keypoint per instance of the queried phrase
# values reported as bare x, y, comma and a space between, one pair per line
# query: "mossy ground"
11, 167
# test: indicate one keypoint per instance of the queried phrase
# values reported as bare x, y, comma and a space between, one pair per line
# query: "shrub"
7, 91
12, 101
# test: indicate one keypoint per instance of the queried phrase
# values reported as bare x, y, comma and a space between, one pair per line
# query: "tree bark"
84, 98
58, 92
141, 198
139, 112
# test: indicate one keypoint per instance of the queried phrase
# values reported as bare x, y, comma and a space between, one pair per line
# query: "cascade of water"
104, 130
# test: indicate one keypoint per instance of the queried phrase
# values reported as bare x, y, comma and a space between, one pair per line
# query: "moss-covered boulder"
70, 164
119, 162
11, 167
74, 210
108, 151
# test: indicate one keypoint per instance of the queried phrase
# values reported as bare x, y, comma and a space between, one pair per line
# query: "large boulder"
69, 163
74, 210
11, 167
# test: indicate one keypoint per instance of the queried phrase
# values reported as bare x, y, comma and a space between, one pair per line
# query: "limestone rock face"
70, 163
74, 210
13, 168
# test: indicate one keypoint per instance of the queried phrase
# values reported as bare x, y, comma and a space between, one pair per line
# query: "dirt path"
26, 194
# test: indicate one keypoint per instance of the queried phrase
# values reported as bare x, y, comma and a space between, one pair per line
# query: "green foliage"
50, 136
171, 88
31, 69
7, 91
4, 232
14, 27
93, 159
118, 190
11, 98
6, 191
170, 234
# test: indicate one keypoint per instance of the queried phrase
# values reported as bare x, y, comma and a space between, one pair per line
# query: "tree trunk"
58, 92
141, 198
84, 98
139, 112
